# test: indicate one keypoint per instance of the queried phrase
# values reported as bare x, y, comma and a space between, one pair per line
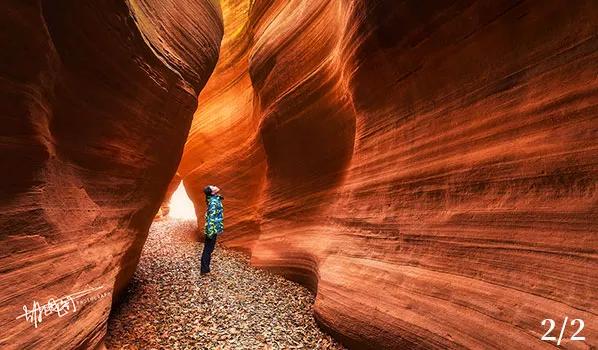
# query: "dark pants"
206, 256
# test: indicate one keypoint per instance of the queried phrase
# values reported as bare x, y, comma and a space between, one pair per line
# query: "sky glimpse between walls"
181, 206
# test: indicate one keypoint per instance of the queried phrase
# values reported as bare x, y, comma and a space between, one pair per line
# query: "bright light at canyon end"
181, 206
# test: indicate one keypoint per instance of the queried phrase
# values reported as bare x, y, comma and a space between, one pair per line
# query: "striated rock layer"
429, 169
96, 99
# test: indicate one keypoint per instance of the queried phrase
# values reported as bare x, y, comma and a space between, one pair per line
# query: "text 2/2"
577, 322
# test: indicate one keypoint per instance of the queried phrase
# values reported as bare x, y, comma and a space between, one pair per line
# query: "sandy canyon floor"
170, 306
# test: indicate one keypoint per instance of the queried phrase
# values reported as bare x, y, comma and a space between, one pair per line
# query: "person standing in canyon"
214, 225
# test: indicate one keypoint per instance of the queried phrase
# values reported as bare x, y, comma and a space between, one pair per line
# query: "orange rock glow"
429, 169
96, 101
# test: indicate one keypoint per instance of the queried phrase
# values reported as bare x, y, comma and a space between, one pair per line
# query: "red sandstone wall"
429, 169
96, 99
224, 145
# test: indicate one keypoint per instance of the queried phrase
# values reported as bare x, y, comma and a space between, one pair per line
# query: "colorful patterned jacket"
214, 216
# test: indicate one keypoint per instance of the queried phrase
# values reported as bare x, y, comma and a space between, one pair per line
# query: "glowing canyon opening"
181, 207
427, 170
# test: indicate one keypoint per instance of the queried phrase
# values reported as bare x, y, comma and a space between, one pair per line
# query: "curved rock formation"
224, 140
427, 168
96, 102
430, 170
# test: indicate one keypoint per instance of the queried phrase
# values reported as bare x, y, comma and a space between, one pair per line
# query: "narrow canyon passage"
428, 169
168, 305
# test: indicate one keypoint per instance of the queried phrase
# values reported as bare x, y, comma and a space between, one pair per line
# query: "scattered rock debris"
170, 306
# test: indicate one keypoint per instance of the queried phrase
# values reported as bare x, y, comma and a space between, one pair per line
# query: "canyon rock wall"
224, 145
428, 168
96, 101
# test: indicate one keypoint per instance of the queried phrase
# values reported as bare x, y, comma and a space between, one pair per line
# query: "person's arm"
219, 215
212, 208
210, 218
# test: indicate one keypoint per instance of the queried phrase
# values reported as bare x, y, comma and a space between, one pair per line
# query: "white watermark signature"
61, 306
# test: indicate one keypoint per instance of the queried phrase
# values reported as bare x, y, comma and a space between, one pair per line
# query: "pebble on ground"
168, 305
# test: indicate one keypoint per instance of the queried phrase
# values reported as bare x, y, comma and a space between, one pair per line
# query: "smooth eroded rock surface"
96, 99
429, 169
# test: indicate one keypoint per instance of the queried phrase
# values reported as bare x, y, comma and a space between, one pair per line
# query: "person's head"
211, 190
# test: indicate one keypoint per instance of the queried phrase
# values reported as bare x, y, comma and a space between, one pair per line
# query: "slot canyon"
427, 169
